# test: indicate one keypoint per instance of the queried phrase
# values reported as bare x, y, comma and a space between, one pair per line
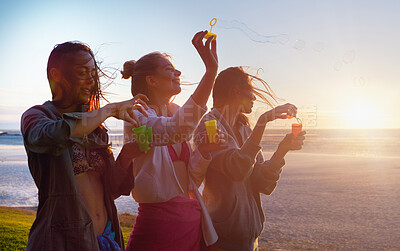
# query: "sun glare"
363, 115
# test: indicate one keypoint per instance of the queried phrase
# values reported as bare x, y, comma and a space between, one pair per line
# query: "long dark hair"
238, 77
59, 59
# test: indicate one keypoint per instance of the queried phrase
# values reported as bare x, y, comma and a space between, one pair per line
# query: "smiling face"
166, 81
73, 77
82, 74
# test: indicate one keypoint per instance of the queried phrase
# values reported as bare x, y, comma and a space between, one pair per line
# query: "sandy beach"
334, 202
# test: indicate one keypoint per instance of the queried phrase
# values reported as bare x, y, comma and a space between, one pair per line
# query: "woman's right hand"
124, 110
207, 54
279, 112
130, 150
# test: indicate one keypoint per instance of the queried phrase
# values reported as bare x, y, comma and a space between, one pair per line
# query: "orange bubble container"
296, 129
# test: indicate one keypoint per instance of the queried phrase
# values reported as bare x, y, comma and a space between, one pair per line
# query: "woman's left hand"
128, 152
207, 54
279, 112
205, 147
291, 142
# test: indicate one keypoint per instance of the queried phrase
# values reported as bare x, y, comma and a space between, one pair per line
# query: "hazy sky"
337, 60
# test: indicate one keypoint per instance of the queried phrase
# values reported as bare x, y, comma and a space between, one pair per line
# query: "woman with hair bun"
172, 215
238, 174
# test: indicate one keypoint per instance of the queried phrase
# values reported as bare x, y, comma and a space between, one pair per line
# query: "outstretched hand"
279, 112
208, 54
124, 110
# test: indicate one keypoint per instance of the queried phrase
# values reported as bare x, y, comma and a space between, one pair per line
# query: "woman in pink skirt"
172, 215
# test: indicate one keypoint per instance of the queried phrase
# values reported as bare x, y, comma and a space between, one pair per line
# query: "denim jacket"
62, 220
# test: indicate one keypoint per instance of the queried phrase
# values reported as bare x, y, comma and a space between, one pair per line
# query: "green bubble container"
149, 134
141, 136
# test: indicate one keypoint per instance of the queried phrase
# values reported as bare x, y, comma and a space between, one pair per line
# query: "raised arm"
267, 173
169, 130
279, 112
210, 59
120, 110
43, 134
179, 127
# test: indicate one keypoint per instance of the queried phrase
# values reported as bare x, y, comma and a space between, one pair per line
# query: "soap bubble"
338, 66
360, 81
299, 45
283, 38
349, 56
318, 47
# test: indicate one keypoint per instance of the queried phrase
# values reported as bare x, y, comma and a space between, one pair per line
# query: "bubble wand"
209, 34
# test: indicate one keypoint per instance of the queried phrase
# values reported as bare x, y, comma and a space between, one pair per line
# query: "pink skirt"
171, 225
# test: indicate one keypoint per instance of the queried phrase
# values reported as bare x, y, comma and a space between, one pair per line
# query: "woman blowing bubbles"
169, 217
237, 175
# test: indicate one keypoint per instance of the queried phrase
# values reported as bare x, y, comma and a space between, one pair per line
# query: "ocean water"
17, 187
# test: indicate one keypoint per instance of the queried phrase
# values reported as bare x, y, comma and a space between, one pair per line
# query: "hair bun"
128, 69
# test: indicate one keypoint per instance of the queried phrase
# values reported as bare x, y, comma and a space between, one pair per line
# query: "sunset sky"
337, 60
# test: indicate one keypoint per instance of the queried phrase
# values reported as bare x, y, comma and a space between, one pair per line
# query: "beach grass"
14, 227
126, 222
15, 224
